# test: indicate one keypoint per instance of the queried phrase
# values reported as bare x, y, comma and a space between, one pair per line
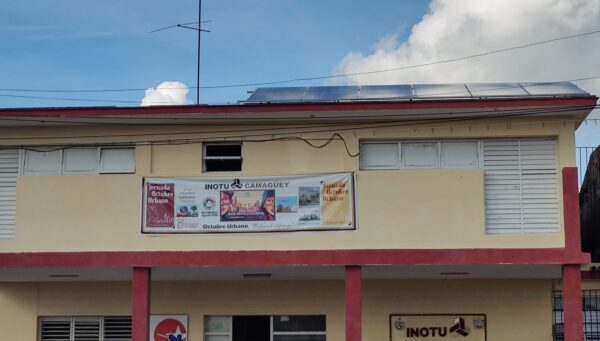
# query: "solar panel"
496, 90
277, 95
440, 91
553, 89
379, 92
331, 94
405, 92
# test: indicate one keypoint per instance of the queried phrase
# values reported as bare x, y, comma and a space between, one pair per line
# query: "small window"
379, 156
80, 160
117, 160
70, 160
43, 162
460, 154
222, 157
92, 328
419, 155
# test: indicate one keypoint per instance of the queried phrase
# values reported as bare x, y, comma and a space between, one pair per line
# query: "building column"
140, 304
353, 303
572, 307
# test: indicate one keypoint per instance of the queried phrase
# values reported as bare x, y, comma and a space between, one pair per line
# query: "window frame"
205, 157
71, 319
61, 159
272, 331
439, 149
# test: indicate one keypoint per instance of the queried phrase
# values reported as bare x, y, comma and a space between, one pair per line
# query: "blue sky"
85, 44
75, 44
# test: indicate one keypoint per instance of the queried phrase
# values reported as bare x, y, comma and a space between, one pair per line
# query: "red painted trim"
140, 304
571, 209
289, 258
573, 321
299, 107
353, 303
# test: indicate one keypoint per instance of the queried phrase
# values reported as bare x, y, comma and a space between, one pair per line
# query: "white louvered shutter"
86, 329
521, 194
117, 328
55, 329
9, 170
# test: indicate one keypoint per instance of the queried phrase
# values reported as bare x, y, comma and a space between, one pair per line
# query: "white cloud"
456, 28
166, 93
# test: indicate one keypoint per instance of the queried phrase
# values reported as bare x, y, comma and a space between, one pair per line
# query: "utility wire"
300, 79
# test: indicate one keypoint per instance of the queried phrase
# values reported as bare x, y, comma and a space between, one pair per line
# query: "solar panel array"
405, 92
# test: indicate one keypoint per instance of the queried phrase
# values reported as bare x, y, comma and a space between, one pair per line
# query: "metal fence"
583, 157
591, 315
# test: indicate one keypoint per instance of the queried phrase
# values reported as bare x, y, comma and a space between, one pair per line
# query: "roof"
337, 103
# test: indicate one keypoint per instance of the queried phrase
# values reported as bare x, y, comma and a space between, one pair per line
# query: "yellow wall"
517, 310
396, 209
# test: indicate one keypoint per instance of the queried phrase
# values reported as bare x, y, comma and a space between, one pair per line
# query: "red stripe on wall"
285, 258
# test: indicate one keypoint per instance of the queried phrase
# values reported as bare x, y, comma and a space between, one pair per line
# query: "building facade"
420, 216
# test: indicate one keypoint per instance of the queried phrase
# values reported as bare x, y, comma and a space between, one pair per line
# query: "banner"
284, 203
438, 327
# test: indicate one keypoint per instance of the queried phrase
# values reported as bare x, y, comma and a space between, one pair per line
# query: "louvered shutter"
86, 329
9, 170
117, 328
55, 329
521, 193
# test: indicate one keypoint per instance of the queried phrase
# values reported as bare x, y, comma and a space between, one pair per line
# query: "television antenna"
198, 29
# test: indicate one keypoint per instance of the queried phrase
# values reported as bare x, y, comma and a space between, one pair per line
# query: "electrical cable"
300, 79
335, 135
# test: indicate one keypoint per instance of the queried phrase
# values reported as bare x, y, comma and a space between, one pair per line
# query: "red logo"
170, 330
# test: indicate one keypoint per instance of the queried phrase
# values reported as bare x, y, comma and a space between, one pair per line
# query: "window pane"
117, 160
216, 337
459, 155
299, 338
55, 329
379, 156
217, 324
299, 323
42, 162
419, 155
223, 150
80, 160
223, 165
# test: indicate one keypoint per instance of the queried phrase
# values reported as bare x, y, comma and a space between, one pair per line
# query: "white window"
10, 160
379, 156
94, 160
69, 328
419, 155
222, 157
521, 190
275, 328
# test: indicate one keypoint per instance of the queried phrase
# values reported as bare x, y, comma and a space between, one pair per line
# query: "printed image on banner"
168, 327
203, 205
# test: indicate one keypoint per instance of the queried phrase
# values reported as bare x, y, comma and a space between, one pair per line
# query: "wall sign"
204, 205
168, 327
438, 327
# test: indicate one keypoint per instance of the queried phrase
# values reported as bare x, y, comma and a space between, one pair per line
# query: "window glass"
117, 160
379, 156
217, 324
298, 323
80, 160
419, 155
222, 157
460, 154
38, 162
